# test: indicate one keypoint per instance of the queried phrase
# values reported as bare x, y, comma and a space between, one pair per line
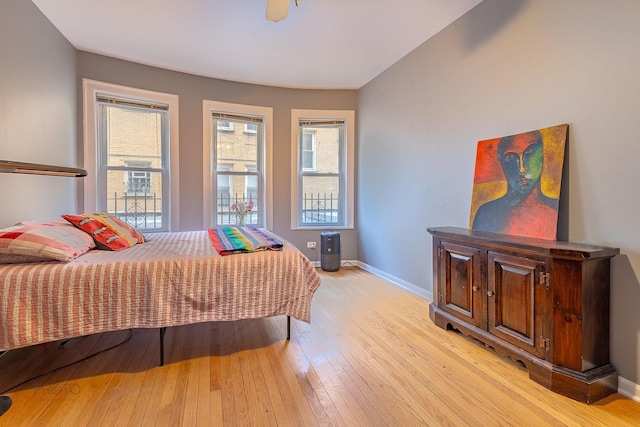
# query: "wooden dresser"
544, 303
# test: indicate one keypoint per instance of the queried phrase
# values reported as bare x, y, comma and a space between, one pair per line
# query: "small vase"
240, 221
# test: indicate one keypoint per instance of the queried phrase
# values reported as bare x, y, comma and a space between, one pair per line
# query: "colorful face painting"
516, 187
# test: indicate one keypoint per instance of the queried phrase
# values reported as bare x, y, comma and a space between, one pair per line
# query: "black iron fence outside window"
144, 210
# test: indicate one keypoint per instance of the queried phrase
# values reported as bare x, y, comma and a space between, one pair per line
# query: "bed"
172, 279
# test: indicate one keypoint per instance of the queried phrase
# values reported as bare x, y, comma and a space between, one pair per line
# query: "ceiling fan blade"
277, 9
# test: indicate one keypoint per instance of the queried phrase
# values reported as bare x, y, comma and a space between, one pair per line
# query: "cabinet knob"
474, 288
490, 293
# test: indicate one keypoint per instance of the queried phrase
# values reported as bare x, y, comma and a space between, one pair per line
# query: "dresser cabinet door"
461, 290
517, 298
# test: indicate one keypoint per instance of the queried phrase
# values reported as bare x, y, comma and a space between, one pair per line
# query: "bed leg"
162, 331
288, 328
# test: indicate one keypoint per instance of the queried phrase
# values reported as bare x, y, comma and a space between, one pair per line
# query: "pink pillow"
36, 242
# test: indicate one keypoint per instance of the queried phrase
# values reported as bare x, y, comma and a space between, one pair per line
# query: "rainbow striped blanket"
240, 240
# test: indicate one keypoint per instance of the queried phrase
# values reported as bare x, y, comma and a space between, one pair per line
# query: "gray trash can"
330, 250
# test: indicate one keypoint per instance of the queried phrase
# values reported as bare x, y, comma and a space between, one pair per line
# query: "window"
225, 125
138, 181
323, 171
237, 164
131, 155
308, 151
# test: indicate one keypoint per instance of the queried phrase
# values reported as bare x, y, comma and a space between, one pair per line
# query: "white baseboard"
421, 292
625, 387
628, 389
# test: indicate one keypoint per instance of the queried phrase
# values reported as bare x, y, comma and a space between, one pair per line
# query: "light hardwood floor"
370, 357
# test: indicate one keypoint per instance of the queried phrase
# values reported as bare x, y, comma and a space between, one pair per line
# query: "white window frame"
209, 184
349, 162
90, 88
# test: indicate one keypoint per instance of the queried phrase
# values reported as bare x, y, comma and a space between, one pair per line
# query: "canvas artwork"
516, 187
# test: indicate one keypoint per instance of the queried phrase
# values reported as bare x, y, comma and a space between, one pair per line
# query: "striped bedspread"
173, 279
237, 240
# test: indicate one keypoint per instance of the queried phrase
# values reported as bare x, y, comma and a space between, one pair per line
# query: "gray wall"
37, 113
192, 90
41, 118
509, 66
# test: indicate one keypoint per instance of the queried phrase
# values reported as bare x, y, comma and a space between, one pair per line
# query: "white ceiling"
323, 44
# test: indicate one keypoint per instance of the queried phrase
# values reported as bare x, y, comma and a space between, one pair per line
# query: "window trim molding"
208, 185
349, 117
90, 184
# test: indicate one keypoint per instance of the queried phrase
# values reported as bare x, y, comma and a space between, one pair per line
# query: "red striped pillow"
108, 231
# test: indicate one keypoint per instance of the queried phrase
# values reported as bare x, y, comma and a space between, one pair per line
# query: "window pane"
235, 190
133, 135
237, 148
141, 209
327, 147
307, 160
320, 199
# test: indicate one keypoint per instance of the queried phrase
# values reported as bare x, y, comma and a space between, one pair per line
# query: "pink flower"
242, 208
